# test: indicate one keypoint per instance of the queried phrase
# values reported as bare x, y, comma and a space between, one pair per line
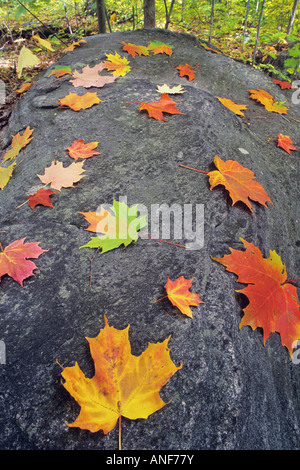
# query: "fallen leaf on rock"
285, 142
236, 108
119, 229
60, 71
89, 77
158, 47
26, 59
14, 262
170, 91
186, 70
156, 109
273, 301
134, 50
18, 143
42, 197
77, 102
5, 174
98, 220
180, 296
117, 64
123, 384
239, 182
283, 84
267, 101
81, 150
72, 46
59, 177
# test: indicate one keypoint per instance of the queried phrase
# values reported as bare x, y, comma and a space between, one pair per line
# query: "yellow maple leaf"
119, 65
43, 42
236, 108
123, 384
77, 102
26, 59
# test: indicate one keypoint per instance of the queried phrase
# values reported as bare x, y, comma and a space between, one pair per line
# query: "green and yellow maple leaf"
120, 228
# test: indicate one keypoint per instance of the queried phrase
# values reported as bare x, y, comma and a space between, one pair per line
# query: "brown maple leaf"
59, 177
273, 302
123, 384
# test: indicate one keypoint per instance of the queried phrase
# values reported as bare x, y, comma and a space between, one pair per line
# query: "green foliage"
293, 62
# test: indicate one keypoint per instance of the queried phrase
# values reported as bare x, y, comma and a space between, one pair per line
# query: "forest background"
261, 33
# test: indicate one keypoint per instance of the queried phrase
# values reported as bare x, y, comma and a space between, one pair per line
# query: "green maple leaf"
122, 228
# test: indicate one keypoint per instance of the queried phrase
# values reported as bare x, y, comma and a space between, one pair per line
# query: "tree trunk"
101, 16
292, 17
258, 29
211, 19
245, 23
149, 13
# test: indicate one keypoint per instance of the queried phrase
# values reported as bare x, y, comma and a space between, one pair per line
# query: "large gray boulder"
233, 392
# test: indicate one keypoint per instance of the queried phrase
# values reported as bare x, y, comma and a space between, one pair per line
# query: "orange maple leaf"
123, 384
285, 142
267, 101
59, 177
81, 150
180, 296
158, 47
273, 301
41, 196
186, 70
99, 221
14, 262
134, 50
117, 64
18, 143
156, 109
236, 108
239, 181
77, 102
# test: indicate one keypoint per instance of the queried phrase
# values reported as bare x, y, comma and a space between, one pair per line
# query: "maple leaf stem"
164, 241
1, 247
195, 169
25, 202
138, 102
120, 433
53, 104
160, 299
290, 280
196, 66
49, 83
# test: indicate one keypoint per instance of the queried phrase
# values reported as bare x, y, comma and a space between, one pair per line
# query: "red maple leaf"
14, 262
273, 302
285, 142
41, 196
